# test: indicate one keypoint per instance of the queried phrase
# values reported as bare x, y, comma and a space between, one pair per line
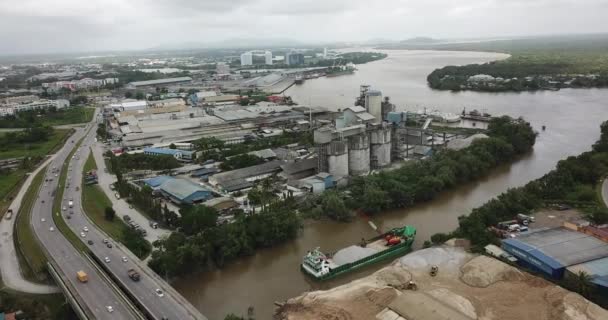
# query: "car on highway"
105, 241
109, 245
43, 219
106, 259
124, 259
83, 235
42, 201
85, 229
110, 309
68, 217
159, 293
64, 208
90, 242
51, 229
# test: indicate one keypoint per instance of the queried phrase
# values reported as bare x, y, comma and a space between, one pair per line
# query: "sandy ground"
467, 287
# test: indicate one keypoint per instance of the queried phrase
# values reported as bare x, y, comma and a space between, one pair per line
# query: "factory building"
179, 191
244, 178
158, 82
373, 104
181, 155
551, 251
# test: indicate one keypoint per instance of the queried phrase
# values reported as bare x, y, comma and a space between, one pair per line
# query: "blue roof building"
551, 251
179, 191
155, 182
181, 155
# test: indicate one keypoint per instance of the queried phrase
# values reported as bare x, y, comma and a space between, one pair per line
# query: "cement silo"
380, 140
358, 154
337, 158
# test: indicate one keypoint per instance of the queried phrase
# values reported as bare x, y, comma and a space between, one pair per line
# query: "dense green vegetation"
202, 243
26, 242
37, 307
571, 181
215, 149
98, 207
551, 62
423, 180
140, 161
360, 57
49, 117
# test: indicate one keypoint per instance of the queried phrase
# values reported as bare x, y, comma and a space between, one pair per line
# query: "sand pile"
467, 286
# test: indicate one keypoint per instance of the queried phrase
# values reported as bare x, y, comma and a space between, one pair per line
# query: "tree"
128, 94
139, 95
172, 146
333, 206
109, 213
583, 283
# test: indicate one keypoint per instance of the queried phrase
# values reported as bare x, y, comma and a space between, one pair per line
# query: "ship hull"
389, 253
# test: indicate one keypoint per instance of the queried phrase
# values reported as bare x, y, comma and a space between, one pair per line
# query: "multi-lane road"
97, 294
153, 296
171, 305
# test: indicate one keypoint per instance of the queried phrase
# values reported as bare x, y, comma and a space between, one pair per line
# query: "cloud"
66, 25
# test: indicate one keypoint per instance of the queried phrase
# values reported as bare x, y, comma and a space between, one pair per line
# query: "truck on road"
82, 276
134, 275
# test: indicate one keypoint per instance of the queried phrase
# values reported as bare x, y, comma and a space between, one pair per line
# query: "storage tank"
358, 155
380, 141
337, 158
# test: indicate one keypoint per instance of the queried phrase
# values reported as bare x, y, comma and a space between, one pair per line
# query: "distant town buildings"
73, 85
294, 58
222, 68
247, 57
13, 105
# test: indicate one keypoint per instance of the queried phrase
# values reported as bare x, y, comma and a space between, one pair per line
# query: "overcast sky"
41, 26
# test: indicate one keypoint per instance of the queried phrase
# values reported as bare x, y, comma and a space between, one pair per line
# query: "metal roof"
160, 81
184, 190
357, 109
597, 269
157, 181
365, 116
298, 166
166, 151
565, 246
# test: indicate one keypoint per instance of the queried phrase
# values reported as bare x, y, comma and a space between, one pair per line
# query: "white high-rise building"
324, 53
373, 104
247, 59
268, 57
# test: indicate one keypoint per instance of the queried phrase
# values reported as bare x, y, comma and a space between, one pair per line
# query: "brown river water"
572, 117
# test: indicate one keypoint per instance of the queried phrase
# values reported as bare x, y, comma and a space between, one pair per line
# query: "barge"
391, 244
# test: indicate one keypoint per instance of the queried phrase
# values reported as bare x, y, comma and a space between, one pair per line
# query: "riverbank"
467, 286
541, 63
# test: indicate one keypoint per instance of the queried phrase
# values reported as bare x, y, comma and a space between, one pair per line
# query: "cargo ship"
391, 244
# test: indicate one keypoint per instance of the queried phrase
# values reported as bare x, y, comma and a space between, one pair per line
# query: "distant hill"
420, 40
234, 43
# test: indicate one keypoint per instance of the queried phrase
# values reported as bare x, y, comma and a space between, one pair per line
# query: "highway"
97, 294
171, 305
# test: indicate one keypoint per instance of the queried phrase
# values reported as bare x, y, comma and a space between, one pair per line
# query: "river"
572, 117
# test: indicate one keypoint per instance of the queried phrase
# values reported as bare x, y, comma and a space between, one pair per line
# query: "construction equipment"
434, 270
412, 286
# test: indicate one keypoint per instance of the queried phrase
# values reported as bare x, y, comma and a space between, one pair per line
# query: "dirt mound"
483, 271
300, 311
393, 276
455, 301
448, 259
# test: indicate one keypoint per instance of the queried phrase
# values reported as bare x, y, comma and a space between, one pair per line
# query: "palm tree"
583, 283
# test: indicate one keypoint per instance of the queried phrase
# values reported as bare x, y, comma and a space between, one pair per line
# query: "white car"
106, 259
85, 229
64, 208
43, 219
110, 309
124, 259
159, 293
82, 234
51, 229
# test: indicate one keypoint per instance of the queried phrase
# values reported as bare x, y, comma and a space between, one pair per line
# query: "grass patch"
57, 213
96, 201
69, 116
37, 149
9, 186
26, 242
